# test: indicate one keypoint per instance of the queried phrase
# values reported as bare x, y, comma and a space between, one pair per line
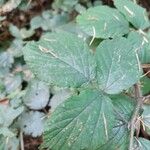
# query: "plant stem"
139, 98
21, 141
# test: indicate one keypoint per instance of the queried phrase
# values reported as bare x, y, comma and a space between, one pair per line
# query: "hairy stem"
135, 115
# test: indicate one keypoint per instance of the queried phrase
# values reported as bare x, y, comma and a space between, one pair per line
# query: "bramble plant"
74, 75
100, 115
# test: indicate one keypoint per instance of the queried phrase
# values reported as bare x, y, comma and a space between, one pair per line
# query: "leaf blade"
80, 122
62, 59
113, 63
107, 22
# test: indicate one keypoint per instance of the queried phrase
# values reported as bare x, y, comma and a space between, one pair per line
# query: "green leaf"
143, 144
6, 132
145, 81
133, 13
16, 47
82, 122
8, 114
123, 108
37, 95
146, 118
117, 65
32, 123
59, 97
65, 5
9, 143
49, 20
104, 21
15, 31
62, 59
12, 82
13, 143
141, 45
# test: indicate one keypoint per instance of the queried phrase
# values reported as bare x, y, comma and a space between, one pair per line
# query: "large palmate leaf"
133, 13
103, 21
61, 58
118, 66
82, 122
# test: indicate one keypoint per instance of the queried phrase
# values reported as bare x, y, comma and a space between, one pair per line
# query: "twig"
135, 115
21, 141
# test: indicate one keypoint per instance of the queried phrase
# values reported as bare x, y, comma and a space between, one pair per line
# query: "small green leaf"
32, 123
118, 66
8, 114
82, 122
12, 83
59, 97
15, 31
9, 143
133, 13
62, 59
37, 95
6, 132
103, 21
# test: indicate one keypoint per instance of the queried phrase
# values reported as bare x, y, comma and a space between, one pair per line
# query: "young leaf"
32, 123
62, 59
59, 97
133, 13
6, 132
118, 65
83, 121
37, 95
8, 114
103, 21
12, 82
15, 31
